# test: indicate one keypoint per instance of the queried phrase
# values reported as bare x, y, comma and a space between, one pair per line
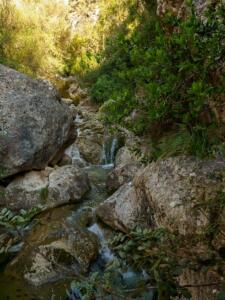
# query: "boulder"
125, 209
49, 188
179, 191
68, 184
121, 175
35, 126
54, 250
124, 156
126, 167
174, 187
179, 194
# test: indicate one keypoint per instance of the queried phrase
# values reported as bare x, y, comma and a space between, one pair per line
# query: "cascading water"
105, 252
109, 151
78, 122
79, 215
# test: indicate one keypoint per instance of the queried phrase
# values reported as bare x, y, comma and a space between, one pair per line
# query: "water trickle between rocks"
110, 148
74, 215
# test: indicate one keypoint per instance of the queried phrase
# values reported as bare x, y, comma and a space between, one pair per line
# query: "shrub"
171, 71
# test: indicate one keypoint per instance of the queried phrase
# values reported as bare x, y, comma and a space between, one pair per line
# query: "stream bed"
13, 289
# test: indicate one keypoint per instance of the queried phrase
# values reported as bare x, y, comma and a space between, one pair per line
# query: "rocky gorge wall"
179, 7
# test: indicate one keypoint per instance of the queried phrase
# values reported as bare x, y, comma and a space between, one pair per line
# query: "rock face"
50, 188
200, 277
126, 167
54, 250
90, 138
72, 157
179, 7
124, 156
121, 175
175, 186
125, 209
35, 126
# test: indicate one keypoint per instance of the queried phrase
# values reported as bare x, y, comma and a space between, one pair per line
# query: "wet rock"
125, 209
84, 217
50, 188
121, 175
35, 127
54, 250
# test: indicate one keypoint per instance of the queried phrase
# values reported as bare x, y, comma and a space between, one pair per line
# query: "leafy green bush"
166, 75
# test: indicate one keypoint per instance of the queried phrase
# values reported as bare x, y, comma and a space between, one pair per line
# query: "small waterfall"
105, 252
78, 119
78, 122
109, 151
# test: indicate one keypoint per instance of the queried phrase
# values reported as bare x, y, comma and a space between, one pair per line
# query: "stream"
13, 289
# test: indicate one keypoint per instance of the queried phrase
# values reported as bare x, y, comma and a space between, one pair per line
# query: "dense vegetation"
33, 36
164, 77
161, 77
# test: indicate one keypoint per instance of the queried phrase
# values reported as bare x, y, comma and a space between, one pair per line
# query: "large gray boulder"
177, 186
49, 188
35, 126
